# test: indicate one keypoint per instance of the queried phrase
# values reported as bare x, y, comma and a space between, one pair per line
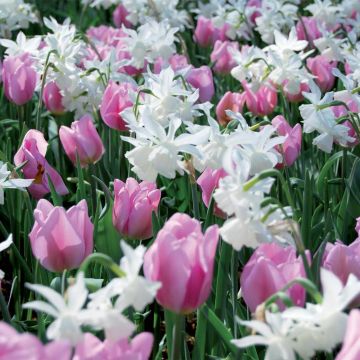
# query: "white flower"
150, 41
157, 151
9, 183
14, 15
273, 335
67, 312
321, 119
21, 45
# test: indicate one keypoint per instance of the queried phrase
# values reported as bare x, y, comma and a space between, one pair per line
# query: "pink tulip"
291, 148
342, 259
263, 101
230, 101
33, 150
176, 61
19, 78
15, 346
322, 69
351, 346
269, 269
52, 98
254, 5
208, 182
182, 259
295, 98
119, 17
307, 29
206, 33
91, 348
133, 208
83, 139
116, 99
201, 78
222, 57
61, 239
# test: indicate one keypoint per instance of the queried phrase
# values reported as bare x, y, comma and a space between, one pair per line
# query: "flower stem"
4, 308
177, 337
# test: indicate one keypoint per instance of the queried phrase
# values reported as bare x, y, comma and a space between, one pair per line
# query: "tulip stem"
92, 181
177, 337
4, 308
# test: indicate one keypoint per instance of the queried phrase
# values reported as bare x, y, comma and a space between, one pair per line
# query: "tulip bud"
32, 151
133, 207
202, 79
261, 102
351, 347
206, 33
182, 259
116, 99
83, 139
208, 182
307, 29
120, 17
19, 78
269, 269
61, 239
230, 101
291, 147
342, 259
222, 56
52, 98
322, 69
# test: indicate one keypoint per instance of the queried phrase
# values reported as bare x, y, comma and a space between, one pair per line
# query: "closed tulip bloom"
82, 139
208, 182
322, 69
119, 17
230, 101
19, 78
116, 99
291, 147
91, 348
206, 33
52, 98
182, 259
26, 346
221, 56
342, 259
61, 239
261, 102
307, 29
33, 150
176, 61
269, 269
133, 207
201, 78
351, 345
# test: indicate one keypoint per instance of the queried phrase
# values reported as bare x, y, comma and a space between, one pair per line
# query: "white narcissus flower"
317, 327
157, 150
323, 120
9, 183
273, 335
149, 42
21, 45
68, 312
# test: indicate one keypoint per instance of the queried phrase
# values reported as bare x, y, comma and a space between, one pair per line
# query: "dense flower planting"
180, 179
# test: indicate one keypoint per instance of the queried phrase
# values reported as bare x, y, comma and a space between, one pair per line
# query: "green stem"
195, 199
177, 337
104, 260
4, 308
92, 181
